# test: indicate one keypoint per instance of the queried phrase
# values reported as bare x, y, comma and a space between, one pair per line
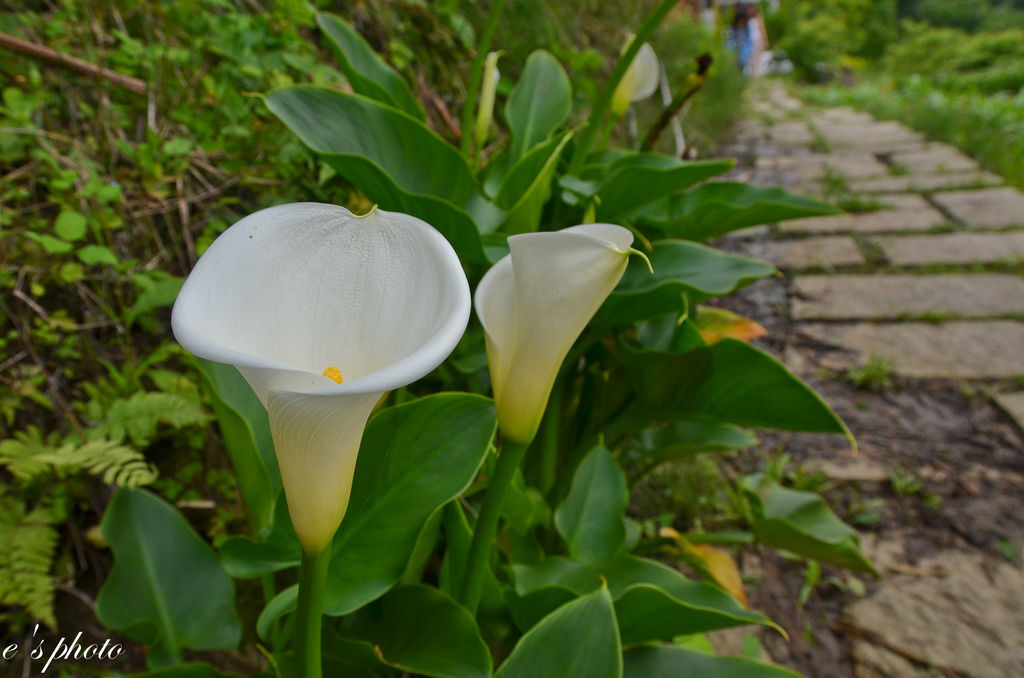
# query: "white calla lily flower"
639, 81
533, 305
323, 312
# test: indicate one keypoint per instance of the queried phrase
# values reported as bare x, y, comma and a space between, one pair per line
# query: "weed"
855, 204
903, 482
875, 374
898, 170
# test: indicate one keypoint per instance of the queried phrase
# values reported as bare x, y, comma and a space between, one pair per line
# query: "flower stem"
475, 75
604, 99
550, 435
487, 524
312, 582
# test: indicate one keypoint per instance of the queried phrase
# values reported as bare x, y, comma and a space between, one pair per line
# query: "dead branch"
42, 53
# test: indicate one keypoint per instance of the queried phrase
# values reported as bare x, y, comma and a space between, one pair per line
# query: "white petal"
292, 290
535, 303
646, 69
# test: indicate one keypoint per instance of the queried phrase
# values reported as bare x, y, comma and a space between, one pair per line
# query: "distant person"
739, 37
757, 38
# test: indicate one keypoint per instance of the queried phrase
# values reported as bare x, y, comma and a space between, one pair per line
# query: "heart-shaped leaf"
539, 103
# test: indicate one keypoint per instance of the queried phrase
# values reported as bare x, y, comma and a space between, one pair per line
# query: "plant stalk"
475, 75
312, 582
604, 99
509, 459
550, 435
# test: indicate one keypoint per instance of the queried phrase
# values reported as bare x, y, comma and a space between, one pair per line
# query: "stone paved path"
930, 282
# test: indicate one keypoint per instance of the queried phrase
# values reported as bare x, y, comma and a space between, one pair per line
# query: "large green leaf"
718, 208
686, 438
246, 431
539, 103
671, 662
652, 601
730, 382
591, 518
458, 535
801, 522
638, 180
393, 158
527, 186
368, 74
680, 267
578, 639
420, 630
166, 588
414, 459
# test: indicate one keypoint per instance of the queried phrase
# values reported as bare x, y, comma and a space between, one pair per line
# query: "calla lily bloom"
639, 81
533, 305
323, 312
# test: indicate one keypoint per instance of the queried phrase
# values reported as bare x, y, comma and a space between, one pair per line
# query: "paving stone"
969, 620
816, 166
857, 469
875, 135
924, 182
953, 248
841, 116
992, 349
1013, 404
902, 201
880, 221
874, 661
854, 297
823, 251
992, 208
936, 158
791, 134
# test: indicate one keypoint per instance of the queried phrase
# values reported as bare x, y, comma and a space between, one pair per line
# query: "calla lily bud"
485, 111
534, 303
323, 312
639, 81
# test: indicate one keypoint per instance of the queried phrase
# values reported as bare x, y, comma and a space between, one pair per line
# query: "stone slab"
879, 136
992, 349
969, 619
791, 134
874, 661
902, 201
880, 221
874, 297
935, 159
954, 248
925, 182
841, 115
1013, 405
819, 252
992, 208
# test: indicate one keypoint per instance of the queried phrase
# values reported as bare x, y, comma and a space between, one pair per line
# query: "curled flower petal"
639, 81
300, 296
533, 305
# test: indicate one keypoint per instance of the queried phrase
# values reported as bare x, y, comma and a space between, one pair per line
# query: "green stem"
312, 582
475, 75
487, 524
604, 99
550, 434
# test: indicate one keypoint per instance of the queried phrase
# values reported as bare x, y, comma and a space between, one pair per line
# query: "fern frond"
116, 463
28, 541
139, 416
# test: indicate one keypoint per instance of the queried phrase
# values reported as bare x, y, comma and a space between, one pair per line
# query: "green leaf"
539, 103
457, 536
591, 518
656, 602
652, 601
368, 74
278, 606
420, 630
50, 244
185, 671
245, 429
177, 146
718, 208
70, 225
668, 662
393, 158
414, 458
580, 638
527, 186
687, 438
279, 548
730, 382
91, 255
638, 180
802, 523
157, 290
166, 588
680, 267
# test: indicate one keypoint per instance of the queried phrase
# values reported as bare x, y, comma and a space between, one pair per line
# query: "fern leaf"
28, 541
139, 416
